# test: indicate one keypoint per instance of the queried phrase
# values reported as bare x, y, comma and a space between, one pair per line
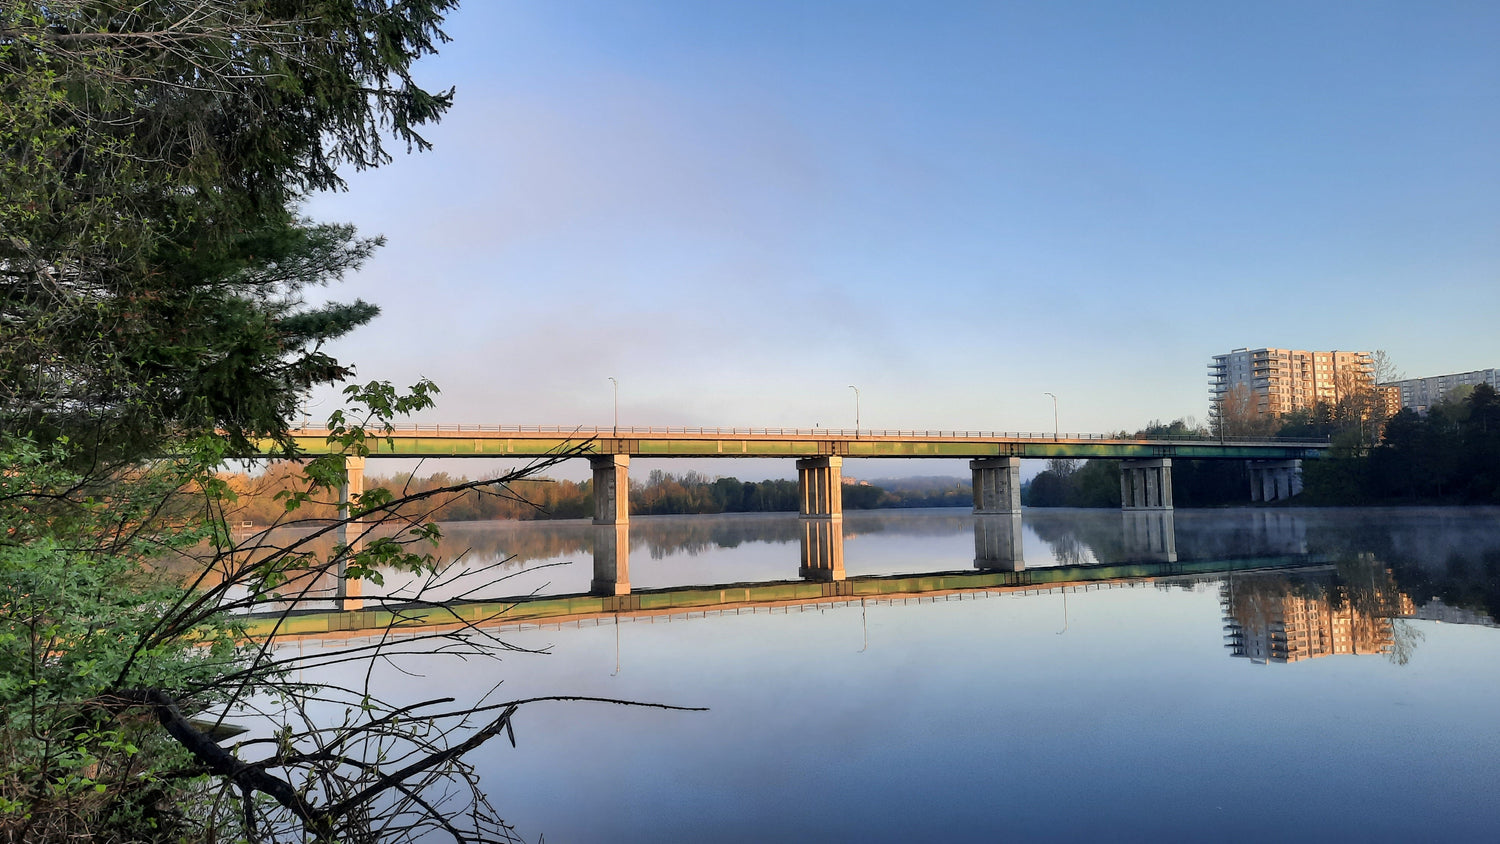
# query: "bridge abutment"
1275, 480
611, 488
820, 487
997, 485
1146, 484
350, 534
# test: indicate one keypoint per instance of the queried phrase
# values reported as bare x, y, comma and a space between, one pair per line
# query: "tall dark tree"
152, 158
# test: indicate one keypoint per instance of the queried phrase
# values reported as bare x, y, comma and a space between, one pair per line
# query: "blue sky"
738, 210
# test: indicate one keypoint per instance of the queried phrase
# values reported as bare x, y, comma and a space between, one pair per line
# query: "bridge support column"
611, 559
350, 534
820, 485
997, 542
997, 485
822, 550
1146, 484
611, 488
1275, 480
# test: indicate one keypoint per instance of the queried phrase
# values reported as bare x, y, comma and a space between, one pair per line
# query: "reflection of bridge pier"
997, 542
1281, 533
611, 560
822, 550
1149, 536
350, 533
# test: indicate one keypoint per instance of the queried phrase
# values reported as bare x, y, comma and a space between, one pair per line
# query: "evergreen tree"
152, 157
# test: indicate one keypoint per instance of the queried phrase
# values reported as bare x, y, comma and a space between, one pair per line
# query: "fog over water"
1349, 692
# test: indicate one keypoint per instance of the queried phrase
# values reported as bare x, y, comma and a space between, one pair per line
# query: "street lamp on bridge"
1054, 414
617, 404
856, 409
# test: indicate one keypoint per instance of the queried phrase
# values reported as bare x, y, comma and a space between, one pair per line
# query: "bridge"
1145, 476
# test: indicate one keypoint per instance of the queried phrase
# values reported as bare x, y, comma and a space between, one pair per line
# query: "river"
1240, 674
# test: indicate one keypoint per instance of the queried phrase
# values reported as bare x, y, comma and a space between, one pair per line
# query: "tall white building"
1420, 394
1278, 381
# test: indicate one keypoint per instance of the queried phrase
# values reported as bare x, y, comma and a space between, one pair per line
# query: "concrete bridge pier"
820, 487
997, 542
1150, 536
1275, 480
611, 488
1146, 484
350, 534
997, 485
822, 550
611, 559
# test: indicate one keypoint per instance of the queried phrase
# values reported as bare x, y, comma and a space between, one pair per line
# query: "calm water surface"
1353, 695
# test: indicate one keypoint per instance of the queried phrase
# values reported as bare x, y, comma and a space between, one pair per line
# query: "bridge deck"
537, 441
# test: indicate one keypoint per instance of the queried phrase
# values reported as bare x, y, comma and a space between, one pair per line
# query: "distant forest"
1450, 455
662, 493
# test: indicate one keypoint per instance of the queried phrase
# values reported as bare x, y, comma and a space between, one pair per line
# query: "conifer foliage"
153, 153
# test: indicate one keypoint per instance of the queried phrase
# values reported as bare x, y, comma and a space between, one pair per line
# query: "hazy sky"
737, 210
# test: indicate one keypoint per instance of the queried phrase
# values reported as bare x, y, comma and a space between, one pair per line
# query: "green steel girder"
417, 445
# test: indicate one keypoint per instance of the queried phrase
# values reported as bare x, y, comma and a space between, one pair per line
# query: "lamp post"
856, 409
617, 404
1054, 414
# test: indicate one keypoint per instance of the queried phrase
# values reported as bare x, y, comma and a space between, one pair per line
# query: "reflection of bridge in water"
1127, 548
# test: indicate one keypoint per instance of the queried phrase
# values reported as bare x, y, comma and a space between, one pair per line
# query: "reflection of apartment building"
1277, 381
1420, 394
1266, 622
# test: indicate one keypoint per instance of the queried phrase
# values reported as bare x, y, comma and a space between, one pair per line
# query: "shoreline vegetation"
1448, 456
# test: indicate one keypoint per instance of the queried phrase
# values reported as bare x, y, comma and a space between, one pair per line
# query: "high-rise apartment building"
1278, 381
1420, 394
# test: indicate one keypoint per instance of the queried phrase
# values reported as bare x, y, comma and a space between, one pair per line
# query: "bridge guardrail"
611, 431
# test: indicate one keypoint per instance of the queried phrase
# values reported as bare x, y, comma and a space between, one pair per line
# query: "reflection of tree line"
1421, 553
666, 536
1354, 607
1429, 554
1078, 537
